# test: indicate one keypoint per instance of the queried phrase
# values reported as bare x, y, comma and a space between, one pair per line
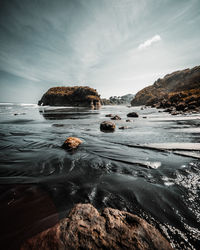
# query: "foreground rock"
132, 114
71, 96
71, 143
86, 228
107, 126
179, 90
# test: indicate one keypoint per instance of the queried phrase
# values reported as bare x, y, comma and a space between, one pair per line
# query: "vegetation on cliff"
175, 89
71, 96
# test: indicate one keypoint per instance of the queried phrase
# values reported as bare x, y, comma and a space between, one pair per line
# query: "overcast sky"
115, 46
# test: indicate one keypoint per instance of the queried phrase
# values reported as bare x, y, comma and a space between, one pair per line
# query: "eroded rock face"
71, 143
180, 87
107, 126
71, 96
86, 228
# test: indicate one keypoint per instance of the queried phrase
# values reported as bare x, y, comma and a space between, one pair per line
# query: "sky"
115, 46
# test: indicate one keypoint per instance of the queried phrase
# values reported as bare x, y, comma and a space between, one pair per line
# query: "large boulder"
86, 228
71, 96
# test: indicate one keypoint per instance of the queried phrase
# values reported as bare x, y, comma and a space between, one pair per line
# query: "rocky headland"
177, 92
86, 228
71, 96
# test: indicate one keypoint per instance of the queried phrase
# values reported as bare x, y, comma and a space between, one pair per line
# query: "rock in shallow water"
71, 143
132, 114
86, 228
107, 126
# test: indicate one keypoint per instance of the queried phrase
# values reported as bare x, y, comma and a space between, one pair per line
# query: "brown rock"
86, 228
71, 143
116, 117
132, 114
107, 126
128, 120
83, 96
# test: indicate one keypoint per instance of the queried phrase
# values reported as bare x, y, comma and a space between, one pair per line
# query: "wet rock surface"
86, 228
132, 114
71, 143
116, 117
107, 126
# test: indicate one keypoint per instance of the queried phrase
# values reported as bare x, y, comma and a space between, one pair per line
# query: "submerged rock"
116, 117
86, 228
107, 126
71, 96
132, 114
71, 143
109, 115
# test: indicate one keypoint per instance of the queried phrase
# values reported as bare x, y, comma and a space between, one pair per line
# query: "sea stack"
82, 96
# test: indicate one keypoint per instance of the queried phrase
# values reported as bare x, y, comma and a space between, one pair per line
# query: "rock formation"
71, 96
179, 90
86, 228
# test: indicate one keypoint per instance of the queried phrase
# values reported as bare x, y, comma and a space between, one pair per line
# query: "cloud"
149, 42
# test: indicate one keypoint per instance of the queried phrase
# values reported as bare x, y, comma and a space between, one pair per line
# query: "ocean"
151, 169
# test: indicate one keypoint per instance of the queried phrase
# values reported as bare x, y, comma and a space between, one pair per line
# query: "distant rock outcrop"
71, 96
179, 90
86, 228
118, 100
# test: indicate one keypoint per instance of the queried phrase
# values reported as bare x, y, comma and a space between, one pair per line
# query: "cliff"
71, 96
178, 87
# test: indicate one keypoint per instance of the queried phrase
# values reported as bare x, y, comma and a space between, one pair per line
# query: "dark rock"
71, 143
116, 117
109, 115
71, 96
86, 228
124, 127
144, 117
128, 120
132, 114
107, 126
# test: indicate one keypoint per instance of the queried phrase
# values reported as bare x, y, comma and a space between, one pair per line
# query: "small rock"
109, 115
124, 127
107, 126
144, 117
128, 120
116, 117
71, 143
132, 114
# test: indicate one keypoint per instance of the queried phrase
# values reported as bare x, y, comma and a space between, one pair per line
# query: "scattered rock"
71, 143
116, 117
124, 127
144, 117
107, 126
128, 120
86, 228
132, 114
109, 115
